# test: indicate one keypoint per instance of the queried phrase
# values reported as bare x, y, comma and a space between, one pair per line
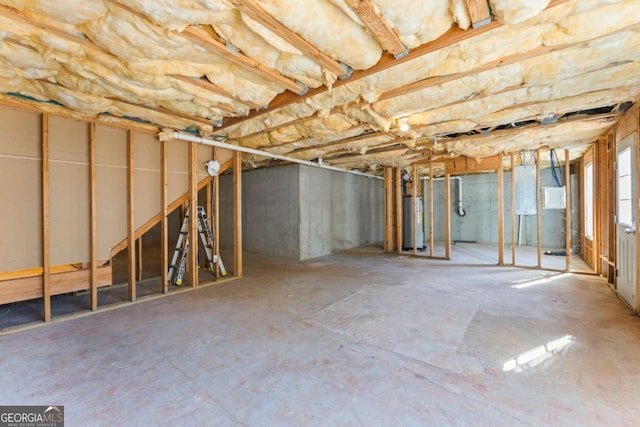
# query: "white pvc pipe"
461, 212
212, 142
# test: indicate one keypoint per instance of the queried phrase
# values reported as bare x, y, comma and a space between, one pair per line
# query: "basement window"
588, 201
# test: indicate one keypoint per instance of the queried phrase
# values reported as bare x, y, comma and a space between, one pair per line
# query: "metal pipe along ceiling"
215, 143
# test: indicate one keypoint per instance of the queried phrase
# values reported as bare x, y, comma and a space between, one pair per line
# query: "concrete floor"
358, 338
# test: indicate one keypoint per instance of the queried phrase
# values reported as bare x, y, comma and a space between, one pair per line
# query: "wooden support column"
539, 209
131, 232
46, 267
388, 209
237, 213
501, 212
567, 183
193, 213
431, 219
414, 195
216, 221
93, 213
164, 238
398, 179
447, 216
513, 210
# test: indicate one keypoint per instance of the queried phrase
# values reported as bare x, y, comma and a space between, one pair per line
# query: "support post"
164, 238
216, 217
398, 179
513, 210
501, 211
567, 183
539, 209
193, 214
237, 212
414, 195
131, 238
139, 262
388, 209
447, 216
431, 219
46, 267
93, 213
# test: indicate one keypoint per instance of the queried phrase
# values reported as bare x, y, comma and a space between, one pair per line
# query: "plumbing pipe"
460, 211
215, 143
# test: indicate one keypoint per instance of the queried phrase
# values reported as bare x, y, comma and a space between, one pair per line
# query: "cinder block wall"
301, 212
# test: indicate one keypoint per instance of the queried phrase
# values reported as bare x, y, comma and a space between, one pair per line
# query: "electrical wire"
554, 172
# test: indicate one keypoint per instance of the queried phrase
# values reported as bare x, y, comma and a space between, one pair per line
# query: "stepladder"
181, 251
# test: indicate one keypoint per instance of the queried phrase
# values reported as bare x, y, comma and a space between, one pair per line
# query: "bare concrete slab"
358, 338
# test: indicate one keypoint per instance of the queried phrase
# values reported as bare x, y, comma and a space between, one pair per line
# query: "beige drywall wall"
178, 169
20, 190
111, 186
146, 177
69, 217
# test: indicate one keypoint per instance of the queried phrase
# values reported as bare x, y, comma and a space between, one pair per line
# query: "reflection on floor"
357, 338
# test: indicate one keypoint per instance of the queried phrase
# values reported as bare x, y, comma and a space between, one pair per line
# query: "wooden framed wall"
71, 185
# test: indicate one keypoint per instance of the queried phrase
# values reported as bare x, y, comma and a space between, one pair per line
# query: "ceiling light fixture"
404, 125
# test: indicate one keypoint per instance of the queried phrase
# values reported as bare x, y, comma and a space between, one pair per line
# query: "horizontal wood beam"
255, 12
378, 26
25, 288
464, 165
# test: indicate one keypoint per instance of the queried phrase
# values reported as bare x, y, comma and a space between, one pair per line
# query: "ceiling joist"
479, 12
379, 27
201, 37
451, 37
255, 12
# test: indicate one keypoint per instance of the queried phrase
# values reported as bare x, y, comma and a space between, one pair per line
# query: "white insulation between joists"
166, 135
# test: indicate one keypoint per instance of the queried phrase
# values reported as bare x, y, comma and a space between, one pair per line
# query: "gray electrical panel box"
526, 198
407, 223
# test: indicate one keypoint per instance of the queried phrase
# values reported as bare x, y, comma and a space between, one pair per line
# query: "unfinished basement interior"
320, 212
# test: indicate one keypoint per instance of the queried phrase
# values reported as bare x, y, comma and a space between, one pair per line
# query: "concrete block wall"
480, 224
338, 211
301, 212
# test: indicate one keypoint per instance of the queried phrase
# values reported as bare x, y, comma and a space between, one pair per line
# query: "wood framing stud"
414, 195
431, 219
501, 213
131, 232
164, 238
237, 212
380, 28
46, 273
216, 214
567, 183
388, 209
93, 213
398, 203
539, 209
513, 210
447, 216
255, 12
193, 214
